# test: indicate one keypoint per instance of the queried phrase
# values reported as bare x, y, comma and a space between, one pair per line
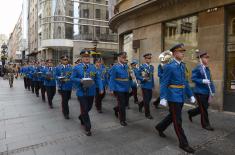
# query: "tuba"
166, 57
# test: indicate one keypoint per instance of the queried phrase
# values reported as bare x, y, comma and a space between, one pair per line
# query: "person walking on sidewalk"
63, 73
204, 89
174, 86
120, 85
86, 77
145, 76
49, 82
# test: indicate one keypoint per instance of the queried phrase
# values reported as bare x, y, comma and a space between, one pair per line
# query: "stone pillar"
211, 39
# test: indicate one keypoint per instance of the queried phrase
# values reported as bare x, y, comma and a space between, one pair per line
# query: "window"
107, 15
85, 29
97, 13
97, 31
233, 26
107, 30
85, 13
184, 30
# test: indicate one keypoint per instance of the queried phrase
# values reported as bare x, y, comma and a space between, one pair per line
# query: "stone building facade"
156, 25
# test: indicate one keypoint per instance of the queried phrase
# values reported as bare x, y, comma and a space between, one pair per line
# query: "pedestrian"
63, 73
103, 74
49, 81
37, 78
165, 58
174, 86
146, 78
203, 90
86, 76
119, 86
134, 82
42, 80
30, 75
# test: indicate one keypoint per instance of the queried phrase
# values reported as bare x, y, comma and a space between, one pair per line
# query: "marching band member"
174, 86
42, 79
36, 78
145, 76
62, 74
203, 90
134, 83
119, 86
49, 82
165, 58
103, 74
86, 76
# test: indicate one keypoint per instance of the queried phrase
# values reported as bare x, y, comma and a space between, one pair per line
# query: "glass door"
229, 96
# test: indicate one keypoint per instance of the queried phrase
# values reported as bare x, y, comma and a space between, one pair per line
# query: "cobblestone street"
29, 127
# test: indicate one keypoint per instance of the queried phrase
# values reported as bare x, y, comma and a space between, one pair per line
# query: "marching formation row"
91, 82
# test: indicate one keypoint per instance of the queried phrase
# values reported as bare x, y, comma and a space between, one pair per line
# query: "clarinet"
204, 71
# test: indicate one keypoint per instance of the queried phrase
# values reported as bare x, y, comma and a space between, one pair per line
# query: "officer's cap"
134, 62
122, 54
147, 55
85, 53
201, 54
64, 57
178, 47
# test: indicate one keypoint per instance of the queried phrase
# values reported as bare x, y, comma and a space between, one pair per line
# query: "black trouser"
202, 101
147, 96
43, 90
98, 99
86, 103
123, 100
31, 85
174, 116
51, 90
37, 87
65, 95
157, 102
25, 83
134, 93
28, 83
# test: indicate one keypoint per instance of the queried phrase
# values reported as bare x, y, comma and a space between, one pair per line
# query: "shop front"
210, 26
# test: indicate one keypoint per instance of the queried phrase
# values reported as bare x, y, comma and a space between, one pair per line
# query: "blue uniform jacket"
36, 76
104, 75
197, 77
30, 72
120, 78
147, 69
81, 71
160, 72
174, 74
41, 77
23, 71
48, 74
64, 71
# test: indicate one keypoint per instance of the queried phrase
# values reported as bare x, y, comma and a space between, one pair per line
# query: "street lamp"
95, 43
94, 54
3, 58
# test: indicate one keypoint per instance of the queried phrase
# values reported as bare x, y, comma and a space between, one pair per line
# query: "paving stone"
28, 127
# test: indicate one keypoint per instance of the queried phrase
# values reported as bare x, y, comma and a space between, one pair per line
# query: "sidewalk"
29, 127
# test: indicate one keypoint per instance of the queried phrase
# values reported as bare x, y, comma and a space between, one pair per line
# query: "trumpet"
165, 57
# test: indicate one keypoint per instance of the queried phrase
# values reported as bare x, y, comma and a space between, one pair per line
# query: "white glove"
192, 99
206, 81
163, 102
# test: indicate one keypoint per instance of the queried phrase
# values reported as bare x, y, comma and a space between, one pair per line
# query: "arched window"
59, 33
233, 26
